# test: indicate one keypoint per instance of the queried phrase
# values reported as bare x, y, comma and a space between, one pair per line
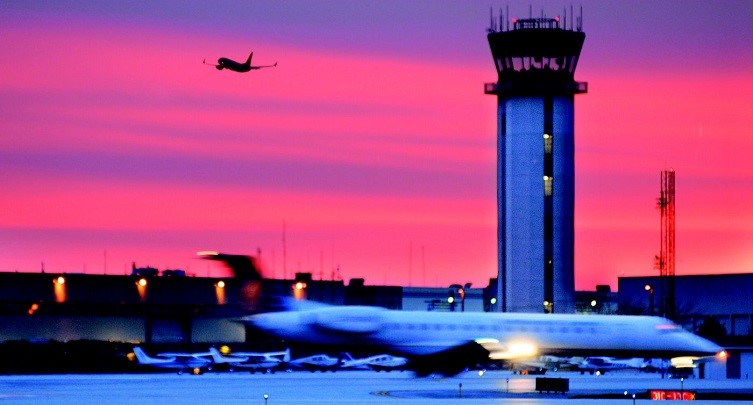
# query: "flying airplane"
451, 342
196, 362
225, 63
252, 361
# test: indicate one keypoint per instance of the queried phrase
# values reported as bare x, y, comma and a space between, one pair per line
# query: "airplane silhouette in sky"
225, 63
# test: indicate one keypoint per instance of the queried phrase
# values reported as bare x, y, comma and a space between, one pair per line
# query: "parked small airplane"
252, 361
318, 362
600, 365
379, 362
196, 362
542, 364
451, 342
225, 63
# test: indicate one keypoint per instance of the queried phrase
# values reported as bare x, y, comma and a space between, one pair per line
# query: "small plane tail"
248, 61
142, 357
346, 356
217, 357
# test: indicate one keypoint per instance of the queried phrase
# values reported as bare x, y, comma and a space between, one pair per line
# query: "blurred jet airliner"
450, 342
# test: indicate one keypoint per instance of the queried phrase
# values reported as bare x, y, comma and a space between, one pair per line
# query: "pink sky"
372, 141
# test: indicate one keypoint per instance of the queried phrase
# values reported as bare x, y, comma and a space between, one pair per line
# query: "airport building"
147, 307
718, 307
535, 60
180, 312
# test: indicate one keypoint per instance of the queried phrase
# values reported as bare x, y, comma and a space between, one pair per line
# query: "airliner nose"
703, 347
262, 322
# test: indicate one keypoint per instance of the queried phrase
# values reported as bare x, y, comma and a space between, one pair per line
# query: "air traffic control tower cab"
536, 56
535, 60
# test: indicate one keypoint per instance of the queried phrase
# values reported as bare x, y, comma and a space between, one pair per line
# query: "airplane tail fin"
248, 61
142, 357
243, 267
217, 357
247, 274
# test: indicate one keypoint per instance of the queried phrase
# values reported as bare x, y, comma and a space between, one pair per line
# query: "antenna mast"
665, 261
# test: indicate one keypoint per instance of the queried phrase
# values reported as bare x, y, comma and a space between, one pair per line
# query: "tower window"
548, 186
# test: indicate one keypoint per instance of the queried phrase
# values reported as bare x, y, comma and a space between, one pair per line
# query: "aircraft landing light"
522, 349
207, 253
684, 361
514, 350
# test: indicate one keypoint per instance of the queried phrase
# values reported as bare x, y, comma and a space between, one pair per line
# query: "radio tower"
665, 262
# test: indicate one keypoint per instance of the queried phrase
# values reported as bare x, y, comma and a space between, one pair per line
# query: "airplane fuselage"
225, 63
417, 333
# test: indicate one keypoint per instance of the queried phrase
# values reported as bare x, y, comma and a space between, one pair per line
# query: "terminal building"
183, 312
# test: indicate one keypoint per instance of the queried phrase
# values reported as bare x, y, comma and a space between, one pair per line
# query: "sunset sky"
371, 147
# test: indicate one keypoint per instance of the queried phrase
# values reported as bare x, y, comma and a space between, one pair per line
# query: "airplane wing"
185, 355
209, 64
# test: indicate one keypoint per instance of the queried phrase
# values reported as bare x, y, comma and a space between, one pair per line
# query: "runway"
352, 387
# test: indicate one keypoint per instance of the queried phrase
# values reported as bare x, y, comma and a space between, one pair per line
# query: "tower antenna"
564, 17
491, 20
507, 13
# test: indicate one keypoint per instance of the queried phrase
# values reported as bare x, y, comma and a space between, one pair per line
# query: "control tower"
535, 62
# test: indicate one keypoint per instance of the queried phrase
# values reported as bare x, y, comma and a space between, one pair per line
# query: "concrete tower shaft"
535, 63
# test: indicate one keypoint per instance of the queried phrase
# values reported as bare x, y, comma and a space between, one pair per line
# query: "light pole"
460, 290
650, 290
